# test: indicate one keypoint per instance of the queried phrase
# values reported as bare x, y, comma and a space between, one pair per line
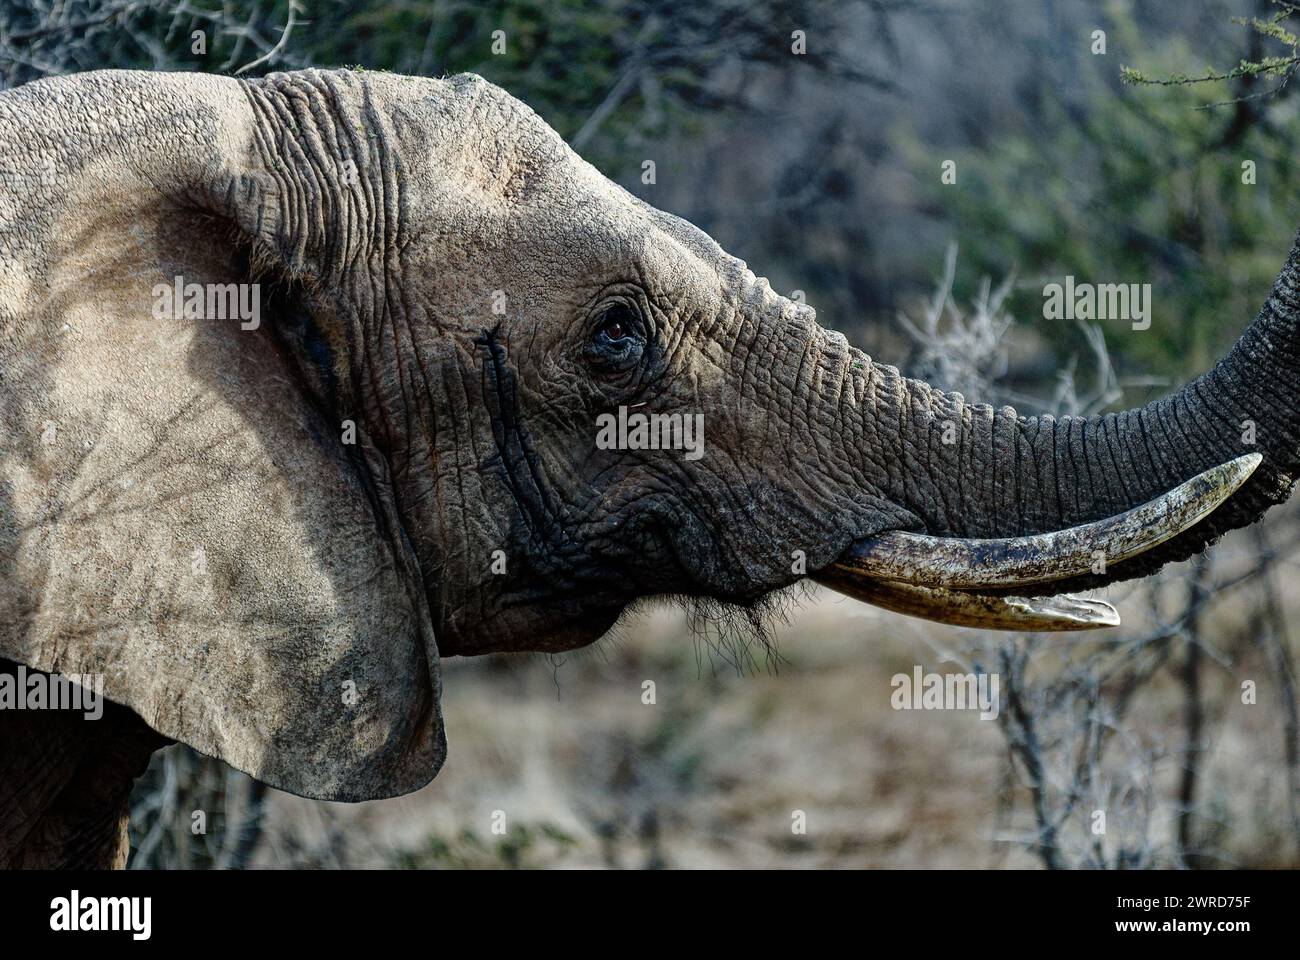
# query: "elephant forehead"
473, 134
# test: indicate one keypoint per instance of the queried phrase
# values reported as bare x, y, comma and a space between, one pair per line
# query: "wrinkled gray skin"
177, 509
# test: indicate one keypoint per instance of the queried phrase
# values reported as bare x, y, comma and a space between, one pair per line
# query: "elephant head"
488, 401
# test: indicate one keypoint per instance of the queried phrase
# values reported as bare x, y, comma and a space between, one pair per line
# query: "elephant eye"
613, 330
617, 338
617, 324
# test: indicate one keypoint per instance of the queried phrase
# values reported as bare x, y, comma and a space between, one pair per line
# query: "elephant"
311, 380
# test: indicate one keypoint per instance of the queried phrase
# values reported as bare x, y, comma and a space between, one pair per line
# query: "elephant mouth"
968, 581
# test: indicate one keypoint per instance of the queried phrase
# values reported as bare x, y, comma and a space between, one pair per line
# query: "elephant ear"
179, 512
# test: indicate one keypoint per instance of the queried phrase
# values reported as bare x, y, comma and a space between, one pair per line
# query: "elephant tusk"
979, 610
965, 564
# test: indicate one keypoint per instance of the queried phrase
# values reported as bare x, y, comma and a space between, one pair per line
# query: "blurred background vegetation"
822, 171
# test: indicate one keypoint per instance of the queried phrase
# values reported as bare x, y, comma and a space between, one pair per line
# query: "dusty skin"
182, 514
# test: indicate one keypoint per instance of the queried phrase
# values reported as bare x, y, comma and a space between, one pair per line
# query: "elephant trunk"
976, 475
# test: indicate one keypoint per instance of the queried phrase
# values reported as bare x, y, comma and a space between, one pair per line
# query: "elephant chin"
965, 581
536, 628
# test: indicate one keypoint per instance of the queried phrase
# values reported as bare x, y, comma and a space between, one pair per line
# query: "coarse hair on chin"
733, 634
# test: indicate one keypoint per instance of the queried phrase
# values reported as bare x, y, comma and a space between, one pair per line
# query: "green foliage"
1281, 67
1114, 185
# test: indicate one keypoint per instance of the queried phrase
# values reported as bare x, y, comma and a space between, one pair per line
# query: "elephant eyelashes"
617, 340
